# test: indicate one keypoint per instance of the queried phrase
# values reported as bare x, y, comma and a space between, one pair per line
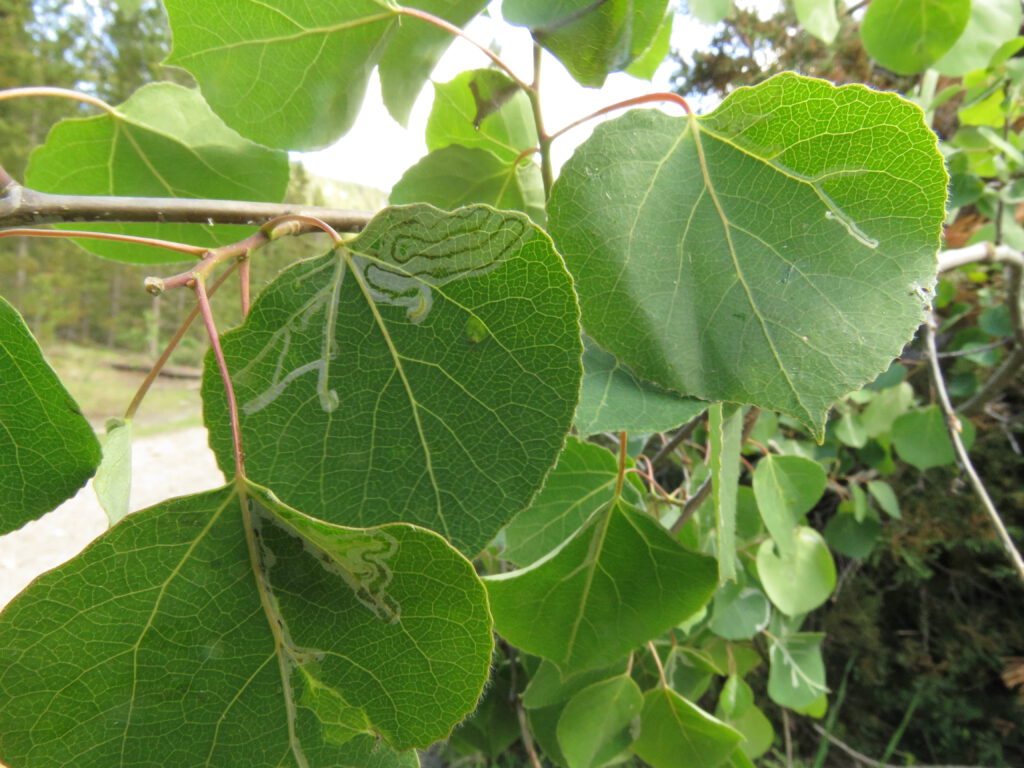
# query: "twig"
21, 206
862, 758
533, 93
979, 253
524, 730
158, 366
682, 434
954, 428
691, 506
787, 737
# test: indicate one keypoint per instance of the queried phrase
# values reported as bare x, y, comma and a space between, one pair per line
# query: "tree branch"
954, 428
1013, 260
21, 206
862, 758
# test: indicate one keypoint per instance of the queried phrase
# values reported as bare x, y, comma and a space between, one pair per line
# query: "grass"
103, 392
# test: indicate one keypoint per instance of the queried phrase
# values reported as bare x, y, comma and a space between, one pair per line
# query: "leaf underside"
153, 647
692, 240
415, 374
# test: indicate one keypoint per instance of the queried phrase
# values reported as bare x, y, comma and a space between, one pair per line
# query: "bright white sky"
377, 151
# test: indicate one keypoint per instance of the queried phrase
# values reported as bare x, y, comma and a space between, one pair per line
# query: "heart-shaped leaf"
796, 675
907, 36
676, 732
582, 482
419, 350
596, 724
786, 488
693, 241
801, 582
619, 581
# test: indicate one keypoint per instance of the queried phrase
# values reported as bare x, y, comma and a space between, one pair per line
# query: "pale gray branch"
953, 427
24, 207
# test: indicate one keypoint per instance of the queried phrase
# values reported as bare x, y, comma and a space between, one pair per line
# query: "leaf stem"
651, 98
191, 250
447, 26
954, 428
623, 456
533, 92
158, 366
203, 300
243, 284
61, 93
657, 663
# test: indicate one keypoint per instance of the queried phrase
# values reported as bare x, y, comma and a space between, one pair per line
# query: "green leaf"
883, 493
757, 731
675, 732
544, 727
725, 431
787, 488
597, 723
802, 582
991, 24
646, 65
590, 39
113, 482
414, 50
694, 240
735, 699
882, 412
456, 176
547, 687
582, 482
494, 726
818, 17
421, 349
613, 399
922, 440
482, 109
293, 75
739, 612
169, 646
710, 11
162, 142
850, 430
908, 36
796, 676
852, 537
619, 581
47, 448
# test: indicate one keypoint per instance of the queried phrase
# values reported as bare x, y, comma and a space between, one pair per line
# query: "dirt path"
171, 464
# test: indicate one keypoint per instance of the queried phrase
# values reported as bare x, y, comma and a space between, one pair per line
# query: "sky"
377, 151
